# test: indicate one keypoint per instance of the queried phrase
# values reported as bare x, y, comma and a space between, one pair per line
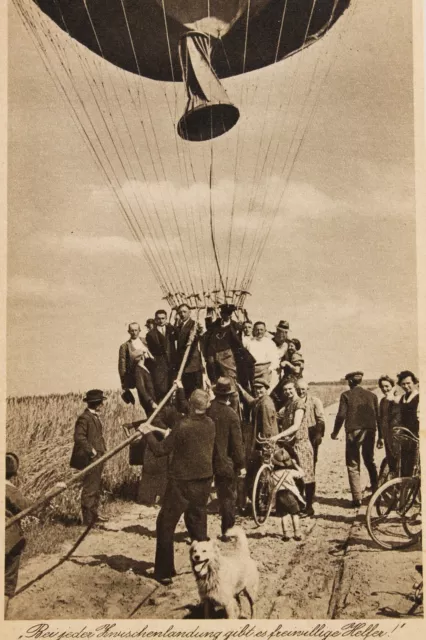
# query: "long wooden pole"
110, 454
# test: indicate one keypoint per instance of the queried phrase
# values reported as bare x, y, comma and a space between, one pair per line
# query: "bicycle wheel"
393, 514
412, 511
262, 495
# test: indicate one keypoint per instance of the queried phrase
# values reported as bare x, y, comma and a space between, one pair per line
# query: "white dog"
221, 578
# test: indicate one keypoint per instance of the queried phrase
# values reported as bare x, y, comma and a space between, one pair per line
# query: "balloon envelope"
143, 38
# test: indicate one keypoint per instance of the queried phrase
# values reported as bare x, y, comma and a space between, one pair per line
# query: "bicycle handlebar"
272, 440
402, 432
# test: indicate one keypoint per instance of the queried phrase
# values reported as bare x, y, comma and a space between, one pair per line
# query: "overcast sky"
340, 261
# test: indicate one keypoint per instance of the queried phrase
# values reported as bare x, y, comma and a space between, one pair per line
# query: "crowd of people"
240, 384
244, 352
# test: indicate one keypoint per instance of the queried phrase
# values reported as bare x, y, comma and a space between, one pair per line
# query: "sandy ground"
336, 572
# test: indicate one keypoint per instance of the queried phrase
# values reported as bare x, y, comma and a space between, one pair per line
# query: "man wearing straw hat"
89, 444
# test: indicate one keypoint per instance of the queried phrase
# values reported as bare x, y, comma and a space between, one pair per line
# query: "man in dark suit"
229, 455
89, 444
161, 343
192, 377
134, 359
359, 411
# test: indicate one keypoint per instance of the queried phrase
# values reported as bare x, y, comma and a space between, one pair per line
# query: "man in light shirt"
247, 332
264, 352
133, 370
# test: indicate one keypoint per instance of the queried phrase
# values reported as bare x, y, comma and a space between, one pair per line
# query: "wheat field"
40, 429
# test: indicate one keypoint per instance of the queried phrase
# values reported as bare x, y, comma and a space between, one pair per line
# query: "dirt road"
335, 572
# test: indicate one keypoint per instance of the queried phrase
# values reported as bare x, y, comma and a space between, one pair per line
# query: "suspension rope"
262, 217
212, 227
29, 21
314, 106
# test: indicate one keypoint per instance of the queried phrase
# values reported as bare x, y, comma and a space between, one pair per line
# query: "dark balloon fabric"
109, 35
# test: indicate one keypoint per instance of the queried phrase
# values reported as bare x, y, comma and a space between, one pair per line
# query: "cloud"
85, 244
38, 288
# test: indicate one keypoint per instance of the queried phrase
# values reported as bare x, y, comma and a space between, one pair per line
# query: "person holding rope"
14, 539
190, 473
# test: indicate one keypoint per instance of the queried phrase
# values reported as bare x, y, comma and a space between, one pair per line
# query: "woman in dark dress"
409, 418
388, 412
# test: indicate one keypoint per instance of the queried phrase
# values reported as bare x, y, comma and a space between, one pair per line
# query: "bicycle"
394, 511
267, 481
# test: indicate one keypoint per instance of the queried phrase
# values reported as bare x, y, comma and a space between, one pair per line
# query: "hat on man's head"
223, 387
260, 382
12, 464
228, 308
94, 395
199, 400
354, 375
283, 324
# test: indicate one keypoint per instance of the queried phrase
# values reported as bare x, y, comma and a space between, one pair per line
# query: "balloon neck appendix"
194, 113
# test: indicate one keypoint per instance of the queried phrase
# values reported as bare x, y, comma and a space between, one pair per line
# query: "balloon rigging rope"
228, 261
29, 25
162, 166
127, 207
255, 187
140, 234
130, 177
30, 21
109, 172
212, 226
282, 193
256, 242
184, 252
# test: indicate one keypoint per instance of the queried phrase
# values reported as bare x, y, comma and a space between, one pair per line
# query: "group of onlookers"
363, 417
259, 393
244, 352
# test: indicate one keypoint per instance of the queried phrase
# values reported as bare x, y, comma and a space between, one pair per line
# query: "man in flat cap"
89, 444
359, 411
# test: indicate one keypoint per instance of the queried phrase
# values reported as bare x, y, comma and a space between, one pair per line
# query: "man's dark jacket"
244, 361
163, 348
88, 435
229, 451
194, 362
358, 409
191, 444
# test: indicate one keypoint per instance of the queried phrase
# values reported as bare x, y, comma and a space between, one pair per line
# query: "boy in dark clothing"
190, 474
14, 539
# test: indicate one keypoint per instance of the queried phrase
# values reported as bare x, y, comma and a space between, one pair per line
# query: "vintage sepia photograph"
212, 343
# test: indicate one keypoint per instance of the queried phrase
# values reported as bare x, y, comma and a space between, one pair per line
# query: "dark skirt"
286, 503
